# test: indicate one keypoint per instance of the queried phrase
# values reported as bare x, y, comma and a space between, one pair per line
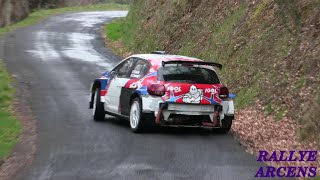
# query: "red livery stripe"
103, 92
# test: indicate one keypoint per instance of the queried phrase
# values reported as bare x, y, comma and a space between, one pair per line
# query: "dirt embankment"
12, 11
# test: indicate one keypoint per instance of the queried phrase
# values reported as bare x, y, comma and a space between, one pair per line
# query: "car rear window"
187, 74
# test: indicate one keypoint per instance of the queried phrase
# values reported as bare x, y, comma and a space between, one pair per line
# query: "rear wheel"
137, 118
226, 125
98, 107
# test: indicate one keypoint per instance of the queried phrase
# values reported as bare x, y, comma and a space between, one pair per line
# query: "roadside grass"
121, 34
268, 109
279, 115
41, 14
115, 30
314, 178
246, 97
10, 127
116, 34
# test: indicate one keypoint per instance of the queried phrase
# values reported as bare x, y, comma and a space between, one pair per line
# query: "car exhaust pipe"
159, 114
158, 117
214, 120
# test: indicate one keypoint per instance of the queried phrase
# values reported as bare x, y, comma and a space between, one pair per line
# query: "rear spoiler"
193, 62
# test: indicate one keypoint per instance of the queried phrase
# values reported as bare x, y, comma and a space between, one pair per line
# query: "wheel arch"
96, 84
135, 95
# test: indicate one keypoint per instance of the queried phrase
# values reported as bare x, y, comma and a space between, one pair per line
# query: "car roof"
156, 59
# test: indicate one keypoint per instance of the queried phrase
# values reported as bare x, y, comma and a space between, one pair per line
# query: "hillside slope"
270, 48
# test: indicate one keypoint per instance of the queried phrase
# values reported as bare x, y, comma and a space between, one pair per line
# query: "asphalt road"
58, 59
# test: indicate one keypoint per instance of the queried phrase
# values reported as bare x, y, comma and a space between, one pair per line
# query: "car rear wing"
192, 63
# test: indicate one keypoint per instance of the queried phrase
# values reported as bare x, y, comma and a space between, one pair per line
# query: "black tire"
98, 111
137, 118
226, 125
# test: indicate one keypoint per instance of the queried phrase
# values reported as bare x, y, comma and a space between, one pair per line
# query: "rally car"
165, 90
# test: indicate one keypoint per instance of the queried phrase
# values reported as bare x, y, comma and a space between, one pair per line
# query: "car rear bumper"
164, 111
168, 109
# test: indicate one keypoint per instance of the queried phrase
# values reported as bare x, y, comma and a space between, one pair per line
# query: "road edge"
23, 152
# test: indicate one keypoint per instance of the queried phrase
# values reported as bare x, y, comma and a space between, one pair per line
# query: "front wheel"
98, 107
137, 118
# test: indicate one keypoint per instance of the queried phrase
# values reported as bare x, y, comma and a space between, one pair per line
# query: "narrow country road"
58, 59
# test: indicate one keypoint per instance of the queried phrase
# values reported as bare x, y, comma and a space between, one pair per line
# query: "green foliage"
127, 29
187, 48
268, 109
299, 84
9, 126
318, 95
279, 115
223, 28
259, 9
247, 96
115, 30
290, 14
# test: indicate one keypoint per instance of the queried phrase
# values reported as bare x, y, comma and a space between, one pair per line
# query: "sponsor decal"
134, 85
289, 157
174, 89
193, 96
210, 90
193, 93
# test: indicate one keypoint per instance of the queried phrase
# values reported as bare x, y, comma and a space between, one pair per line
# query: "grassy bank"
9, 126
115, 30
44, 13
115, 34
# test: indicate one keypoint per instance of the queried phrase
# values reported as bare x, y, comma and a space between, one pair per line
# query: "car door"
120, 76
140, 70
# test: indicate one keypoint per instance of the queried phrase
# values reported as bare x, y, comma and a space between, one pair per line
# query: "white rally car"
165, 90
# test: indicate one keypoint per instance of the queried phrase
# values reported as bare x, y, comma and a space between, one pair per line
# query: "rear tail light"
224, 92
156, 89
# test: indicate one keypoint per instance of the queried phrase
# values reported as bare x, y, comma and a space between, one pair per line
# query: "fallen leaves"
256, 131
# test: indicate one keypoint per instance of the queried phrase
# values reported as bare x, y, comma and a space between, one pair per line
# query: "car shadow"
121, 123
124, 124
